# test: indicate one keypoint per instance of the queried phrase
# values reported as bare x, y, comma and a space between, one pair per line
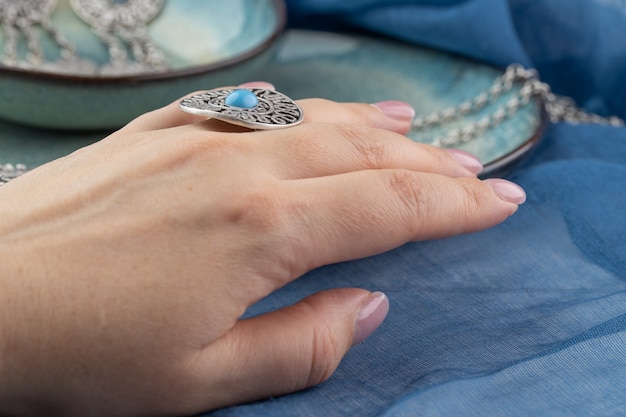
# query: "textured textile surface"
525, 319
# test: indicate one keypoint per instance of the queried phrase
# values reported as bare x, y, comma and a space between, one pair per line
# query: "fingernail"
372, 312
467, 160
258, 84
398, 110
507, 190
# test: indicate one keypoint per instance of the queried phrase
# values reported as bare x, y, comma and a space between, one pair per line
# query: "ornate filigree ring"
254, 108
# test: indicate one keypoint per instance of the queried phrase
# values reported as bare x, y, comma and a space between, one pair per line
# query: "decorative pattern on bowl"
91, 64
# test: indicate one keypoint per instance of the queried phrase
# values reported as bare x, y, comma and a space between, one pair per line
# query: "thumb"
292, 348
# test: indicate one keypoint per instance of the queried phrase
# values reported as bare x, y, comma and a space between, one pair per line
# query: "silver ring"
254, 108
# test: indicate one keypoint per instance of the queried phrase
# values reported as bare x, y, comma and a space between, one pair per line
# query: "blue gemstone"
243, 99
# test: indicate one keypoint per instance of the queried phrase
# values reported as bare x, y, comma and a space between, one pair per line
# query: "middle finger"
323, 149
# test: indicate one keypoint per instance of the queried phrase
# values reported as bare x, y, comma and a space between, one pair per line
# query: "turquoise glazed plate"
367, 69
347, 68
201, 43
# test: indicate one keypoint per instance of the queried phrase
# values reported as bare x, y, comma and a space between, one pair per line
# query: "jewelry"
266, 109
254, 108
8, 172
23, 18
122, 25
558, 108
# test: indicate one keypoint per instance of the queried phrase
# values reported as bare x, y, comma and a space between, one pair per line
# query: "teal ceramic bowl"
204, 44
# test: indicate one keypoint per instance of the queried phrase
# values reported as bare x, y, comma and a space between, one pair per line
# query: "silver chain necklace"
558, 109
9, 171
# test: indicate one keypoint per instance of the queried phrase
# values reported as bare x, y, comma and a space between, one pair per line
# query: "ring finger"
390, 115
323, 149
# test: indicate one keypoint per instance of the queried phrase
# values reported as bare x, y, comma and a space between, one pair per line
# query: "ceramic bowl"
205, 44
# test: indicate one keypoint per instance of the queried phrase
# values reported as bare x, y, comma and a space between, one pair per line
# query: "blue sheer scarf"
527, 318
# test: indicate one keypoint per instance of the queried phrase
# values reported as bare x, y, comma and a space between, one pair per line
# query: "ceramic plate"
349, 68
367, 69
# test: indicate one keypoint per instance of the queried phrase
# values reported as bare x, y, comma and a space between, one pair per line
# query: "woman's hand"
125, 266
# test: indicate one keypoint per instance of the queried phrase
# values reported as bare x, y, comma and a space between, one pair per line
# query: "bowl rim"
505, 164
281, 13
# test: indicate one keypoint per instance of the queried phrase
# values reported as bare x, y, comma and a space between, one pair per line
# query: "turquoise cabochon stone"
243, 99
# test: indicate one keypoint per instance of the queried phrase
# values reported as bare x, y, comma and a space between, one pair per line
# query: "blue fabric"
577, 45
527, 318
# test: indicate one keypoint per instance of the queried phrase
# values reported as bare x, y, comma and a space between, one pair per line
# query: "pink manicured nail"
258, 84
467, 160
372, 312
507, 190
398, 110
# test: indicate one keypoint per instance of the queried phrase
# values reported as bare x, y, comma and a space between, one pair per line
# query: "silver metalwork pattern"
9, 172
122, 27
273, 111
109, 13
21, 19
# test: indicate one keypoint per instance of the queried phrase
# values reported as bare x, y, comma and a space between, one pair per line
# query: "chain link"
9, 171
558, 108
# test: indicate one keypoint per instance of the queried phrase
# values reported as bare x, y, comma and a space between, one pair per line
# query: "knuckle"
474, 198
325, 358
326, 353
374, 151
353, 132
412, 193
415, 200
357, 141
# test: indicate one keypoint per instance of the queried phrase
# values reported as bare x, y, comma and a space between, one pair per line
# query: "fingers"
321, 149
395, 116
289, 349
391, 115
364, 213
336, 138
